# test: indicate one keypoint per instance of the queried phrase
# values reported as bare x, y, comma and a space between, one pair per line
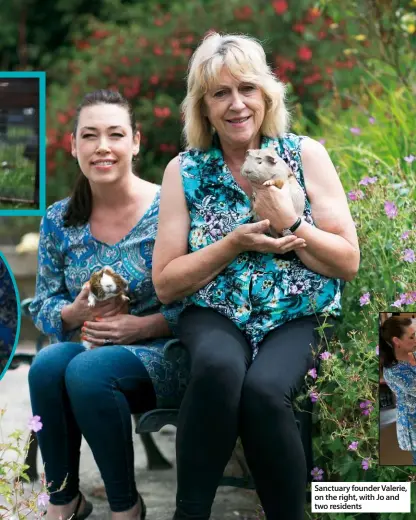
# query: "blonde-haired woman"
253, 302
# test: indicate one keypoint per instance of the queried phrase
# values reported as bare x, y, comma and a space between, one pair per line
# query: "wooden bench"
154, 420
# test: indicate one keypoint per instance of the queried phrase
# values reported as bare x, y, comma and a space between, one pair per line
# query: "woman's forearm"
152, 326
327, 253
69, 320
188, 273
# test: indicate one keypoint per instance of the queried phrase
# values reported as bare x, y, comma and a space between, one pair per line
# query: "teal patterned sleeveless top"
258, 292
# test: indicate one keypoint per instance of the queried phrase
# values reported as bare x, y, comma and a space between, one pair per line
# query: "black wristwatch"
290, 231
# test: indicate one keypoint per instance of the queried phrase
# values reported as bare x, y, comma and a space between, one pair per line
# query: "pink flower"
314, 396
377, 350
366, 407
372, 120
356, 195
317, 473
365, 299
34, 423
365, 464
43, 499
353, 446
390, 209
405, 235
409, 159
325, 355
322, 141
355, 130
367, 180
312, 372
409, 255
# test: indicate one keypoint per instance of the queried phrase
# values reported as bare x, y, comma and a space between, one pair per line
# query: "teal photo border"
19, 314
41, 76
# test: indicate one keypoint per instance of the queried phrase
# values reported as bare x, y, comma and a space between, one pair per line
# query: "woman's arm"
51, 295
331, 247
176, 273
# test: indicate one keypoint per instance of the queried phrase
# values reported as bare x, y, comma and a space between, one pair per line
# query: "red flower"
157, 50
158, 22
244, 13
62, 118
124, 60
280, 6
313, 78
154, 80
299, 28
304, 53
99, 34
66, 142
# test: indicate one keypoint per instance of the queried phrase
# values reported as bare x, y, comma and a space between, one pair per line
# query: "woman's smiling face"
104, 144
236, 110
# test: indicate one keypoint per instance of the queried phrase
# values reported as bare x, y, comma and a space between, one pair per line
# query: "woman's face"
407, 343
236, 110
104, 145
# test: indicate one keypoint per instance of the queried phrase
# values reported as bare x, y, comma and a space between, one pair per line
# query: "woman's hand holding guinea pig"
275, 205
119, 330
252, 237
77, 312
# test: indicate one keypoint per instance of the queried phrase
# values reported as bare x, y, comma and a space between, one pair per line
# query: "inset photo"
9, 315
397, 349
22, 143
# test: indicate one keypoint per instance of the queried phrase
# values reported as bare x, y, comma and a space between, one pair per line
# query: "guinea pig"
105, 284
265, 167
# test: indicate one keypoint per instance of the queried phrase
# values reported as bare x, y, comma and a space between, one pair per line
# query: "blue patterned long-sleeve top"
69, 255
401, 379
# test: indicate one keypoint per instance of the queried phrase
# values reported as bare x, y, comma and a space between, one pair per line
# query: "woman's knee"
50, 364
265, 395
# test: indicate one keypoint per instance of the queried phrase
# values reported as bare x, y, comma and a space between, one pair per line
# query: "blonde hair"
245, 59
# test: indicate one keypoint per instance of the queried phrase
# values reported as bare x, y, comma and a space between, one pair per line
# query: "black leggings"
228, 396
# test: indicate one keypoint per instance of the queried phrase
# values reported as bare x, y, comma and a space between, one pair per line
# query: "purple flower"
356, 195
367, 180
377, 350
390, 209
366, 407
322, 141
405, 235
409, 255
372, 120
34, 423
365, 464
317, 473
355, 130
353, 446
314, 396
410, 158
312, 372
43, 499
325, 355
365, 299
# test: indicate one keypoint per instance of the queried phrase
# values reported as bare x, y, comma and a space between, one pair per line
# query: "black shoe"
87, 509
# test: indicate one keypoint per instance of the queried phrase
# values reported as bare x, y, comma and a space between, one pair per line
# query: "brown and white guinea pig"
105, 284
266, 167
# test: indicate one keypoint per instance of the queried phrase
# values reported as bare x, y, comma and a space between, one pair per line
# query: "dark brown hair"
80, 203
394, 327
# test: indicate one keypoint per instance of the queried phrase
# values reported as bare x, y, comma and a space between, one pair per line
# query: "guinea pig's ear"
108, 268
271, 159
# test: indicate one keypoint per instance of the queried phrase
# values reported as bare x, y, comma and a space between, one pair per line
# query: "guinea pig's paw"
91, 300
125, 298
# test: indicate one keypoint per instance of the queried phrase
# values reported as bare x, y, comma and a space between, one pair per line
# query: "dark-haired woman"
397, 344
110, 219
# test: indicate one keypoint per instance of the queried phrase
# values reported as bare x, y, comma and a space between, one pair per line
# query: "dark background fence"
19, 142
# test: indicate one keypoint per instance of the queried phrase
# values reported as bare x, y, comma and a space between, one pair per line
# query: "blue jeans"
91, 393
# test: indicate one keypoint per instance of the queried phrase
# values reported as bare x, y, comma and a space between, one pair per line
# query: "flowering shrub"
373, 145
17, 504
147, 62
